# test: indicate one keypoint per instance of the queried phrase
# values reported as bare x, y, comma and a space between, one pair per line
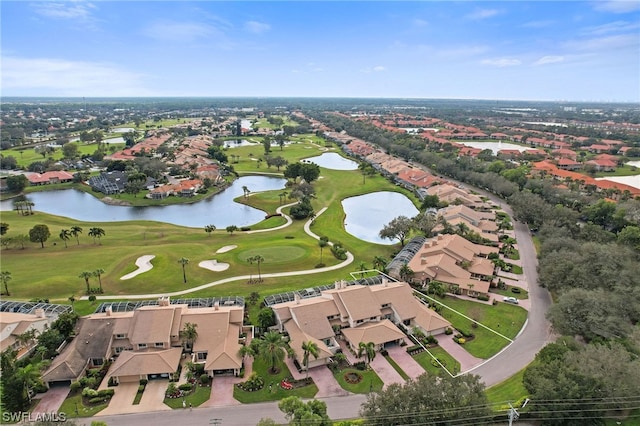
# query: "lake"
367, 214
333, 161
219, 210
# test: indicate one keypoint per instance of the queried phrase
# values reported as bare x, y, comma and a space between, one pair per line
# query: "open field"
27, 155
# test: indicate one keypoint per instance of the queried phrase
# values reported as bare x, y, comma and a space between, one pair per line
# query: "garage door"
129, 379
59, 384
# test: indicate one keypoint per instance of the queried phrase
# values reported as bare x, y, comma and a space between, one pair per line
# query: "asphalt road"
534, 336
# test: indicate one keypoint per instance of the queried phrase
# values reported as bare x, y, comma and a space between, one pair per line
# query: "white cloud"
502, 62
59, 77
420, 22
607, 44
616, 6
377, 68
482, 14
256, 27
549, 60
178, 31
612, 27
64, 10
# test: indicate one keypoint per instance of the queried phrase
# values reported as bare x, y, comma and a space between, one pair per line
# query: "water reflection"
219, 210
367, 214
333, 161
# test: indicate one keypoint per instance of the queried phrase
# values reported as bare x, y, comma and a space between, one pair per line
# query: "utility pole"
513, 414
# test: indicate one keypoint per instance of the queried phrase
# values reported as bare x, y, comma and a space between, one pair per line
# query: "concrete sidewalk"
466, 360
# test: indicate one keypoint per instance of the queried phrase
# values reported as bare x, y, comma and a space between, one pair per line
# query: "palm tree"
246, 351
184, 262
86, 275
72, 299
258, 259
367, 349
5, 277
406, 273
282, 196
27, 377
75, 231
272, 350
322, 243
189, 334
96, 233
64, 235
379, 263
98, 273
309, 348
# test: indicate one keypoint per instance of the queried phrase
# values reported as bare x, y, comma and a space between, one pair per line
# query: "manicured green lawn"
397, 367
71, 403
195, 399
504, 318
276, 393
510, 390
369, 382
625, 170
524, 294
516, 269
425, 360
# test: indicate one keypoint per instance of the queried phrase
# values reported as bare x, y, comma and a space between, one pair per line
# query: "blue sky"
559, 50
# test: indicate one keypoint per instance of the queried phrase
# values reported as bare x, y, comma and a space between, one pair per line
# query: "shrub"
75, 386
431, 340
141, 389
89, 393
205, 379
448, 331
88, 382
106, 393
96, 400
495, 302
484, 297
92, 298
360, 366
144, 382
185, 387
254, 383
245, 228
516, 290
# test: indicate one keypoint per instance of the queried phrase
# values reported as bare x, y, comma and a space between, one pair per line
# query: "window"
97, 361
202, 356
142, 345
386, 305
118, 349
373, 318
159, 345
121, 336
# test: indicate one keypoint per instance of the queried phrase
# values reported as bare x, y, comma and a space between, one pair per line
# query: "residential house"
451, 194
354, 313
109, 182
15, 325
453, 260
59, 176
481, 223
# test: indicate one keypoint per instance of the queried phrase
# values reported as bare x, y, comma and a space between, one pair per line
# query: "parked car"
511, 300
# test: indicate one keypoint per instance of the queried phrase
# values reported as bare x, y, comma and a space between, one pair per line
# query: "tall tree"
272, 350
39, 234
309, 348
98, 273
76, 231
65, 235
184, 262
368, 350
4, 227
399, 228
5, 277
300, 413
257, 259
209, 229
189, 334
86, 275
380, 263
428, 399
96, 233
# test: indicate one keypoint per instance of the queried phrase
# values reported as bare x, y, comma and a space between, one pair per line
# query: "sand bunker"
226, 249
143, 263
213, 265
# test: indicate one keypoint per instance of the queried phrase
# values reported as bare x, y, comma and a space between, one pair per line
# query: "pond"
234, 143
219, 210
333, 161
367, 214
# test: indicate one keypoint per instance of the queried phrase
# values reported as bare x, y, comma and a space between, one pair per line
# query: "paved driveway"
405, 361
122, 400
222, 391
385, 371
327, 384
51, 400
466, 360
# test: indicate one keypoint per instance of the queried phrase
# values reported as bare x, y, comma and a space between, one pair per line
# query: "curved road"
535, 334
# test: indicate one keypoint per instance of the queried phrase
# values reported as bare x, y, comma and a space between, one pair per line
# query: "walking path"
307, 228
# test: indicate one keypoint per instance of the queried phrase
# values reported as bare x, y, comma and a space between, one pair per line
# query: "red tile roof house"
49, 177
569, 164
597, 148
603, 165
565, 153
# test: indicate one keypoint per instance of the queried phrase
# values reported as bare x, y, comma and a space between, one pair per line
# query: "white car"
511, 300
